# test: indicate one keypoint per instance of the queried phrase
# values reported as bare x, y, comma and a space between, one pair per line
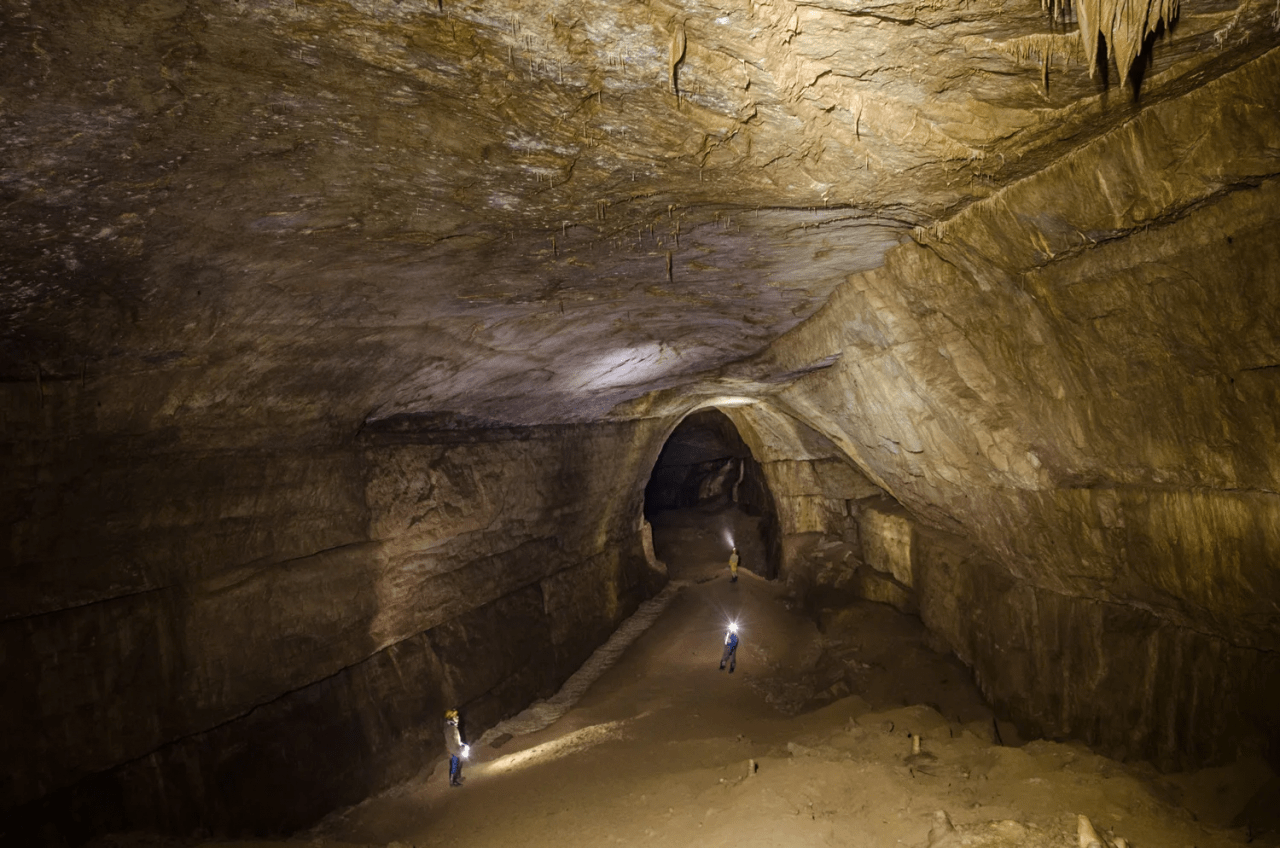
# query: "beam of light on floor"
542, 714
571, 743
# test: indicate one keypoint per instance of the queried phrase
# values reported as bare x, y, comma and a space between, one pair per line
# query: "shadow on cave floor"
808, 743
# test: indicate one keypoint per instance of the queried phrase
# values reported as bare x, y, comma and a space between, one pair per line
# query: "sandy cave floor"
806, 744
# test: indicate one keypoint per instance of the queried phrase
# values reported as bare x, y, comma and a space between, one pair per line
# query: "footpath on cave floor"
665, 749
808, 743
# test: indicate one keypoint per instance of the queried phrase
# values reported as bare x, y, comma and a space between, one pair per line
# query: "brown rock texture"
1086, 393
476, 570
339, 339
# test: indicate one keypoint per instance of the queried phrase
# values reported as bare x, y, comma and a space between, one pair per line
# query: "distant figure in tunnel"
730, 654
457, 749
733, 565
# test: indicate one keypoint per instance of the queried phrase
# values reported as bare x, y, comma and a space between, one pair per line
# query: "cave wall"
822, 501
842, 537
147, 583
1112, 674
200, 637
508, 511
1079, 377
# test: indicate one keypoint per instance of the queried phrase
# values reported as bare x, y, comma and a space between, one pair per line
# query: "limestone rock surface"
339, 338
340, 210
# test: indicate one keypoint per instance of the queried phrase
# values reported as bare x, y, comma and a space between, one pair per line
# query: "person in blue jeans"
454, 744
730, 654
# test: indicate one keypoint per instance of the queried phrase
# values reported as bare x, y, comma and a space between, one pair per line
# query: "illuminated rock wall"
243, 640
1079, 377
822, 501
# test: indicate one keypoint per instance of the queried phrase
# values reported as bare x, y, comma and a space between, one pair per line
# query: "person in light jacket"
456, 747
733, 565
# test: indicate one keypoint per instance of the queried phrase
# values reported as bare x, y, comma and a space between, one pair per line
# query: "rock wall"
240, 640
1112, 674
822, 500
537, 513
1078, 377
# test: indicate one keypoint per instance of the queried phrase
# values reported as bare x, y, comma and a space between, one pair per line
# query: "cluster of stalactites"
1124, 24
1059, 11
1044, 46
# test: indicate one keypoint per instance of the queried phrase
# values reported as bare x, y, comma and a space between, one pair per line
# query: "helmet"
451, 715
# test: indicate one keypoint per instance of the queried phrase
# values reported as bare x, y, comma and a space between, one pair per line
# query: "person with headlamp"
730, 654
458, 750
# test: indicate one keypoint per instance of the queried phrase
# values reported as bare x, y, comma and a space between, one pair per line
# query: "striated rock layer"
1078, 377
286, 636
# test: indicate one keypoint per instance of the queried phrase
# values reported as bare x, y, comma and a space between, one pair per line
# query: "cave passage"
708, 491
810, 742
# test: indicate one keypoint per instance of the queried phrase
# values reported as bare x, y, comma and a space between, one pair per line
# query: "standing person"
733, 565
730, 654
454, 744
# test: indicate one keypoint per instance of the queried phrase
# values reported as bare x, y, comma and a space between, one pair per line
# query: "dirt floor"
810, 742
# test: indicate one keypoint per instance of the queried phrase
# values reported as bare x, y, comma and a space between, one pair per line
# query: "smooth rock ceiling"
279, 211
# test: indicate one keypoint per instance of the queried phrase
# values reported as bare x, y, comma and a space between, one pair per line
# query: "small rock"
1086, 834
943, 832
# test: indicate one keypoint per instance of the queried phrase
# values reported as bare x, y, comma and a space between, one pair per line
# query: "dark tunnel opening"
707, 473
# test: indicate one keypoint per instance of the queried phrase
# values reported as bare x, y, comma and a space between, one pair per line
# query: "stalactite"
1059, 11
679, 42
1124, 25
1042, 47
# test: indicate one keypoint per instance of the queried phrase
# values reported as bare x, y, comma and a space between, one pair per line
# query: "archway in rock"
706, 482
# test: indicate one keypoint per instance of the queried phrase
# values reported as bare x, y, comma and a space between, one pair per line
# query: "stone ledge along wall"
532, 515
1079, 377
239, 641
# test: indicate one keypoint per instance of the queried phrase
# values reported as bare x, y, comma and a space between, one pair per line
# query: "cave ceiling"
501, 211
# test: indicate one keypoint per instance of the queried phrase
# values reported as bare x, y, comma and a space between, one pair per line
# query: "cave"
708, 471
354, 352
